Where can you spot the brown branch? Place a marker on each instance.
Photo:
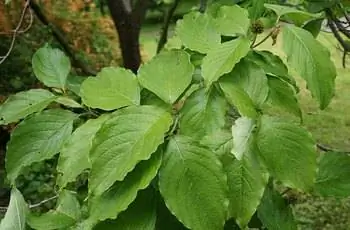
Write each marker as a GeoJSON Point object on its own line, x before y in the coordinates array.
{"type": "Point", "coordinates": [61, 39]}
{"type": "Point", "coordinates": [344, 44]}
{"type": "Point", "coordinates": [167, 19]}
{"type": "Point", "coordinates": [128, 25]}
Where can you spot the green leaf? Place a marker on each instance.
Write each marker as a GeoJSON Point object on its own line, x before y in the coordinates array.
{"type": "Point", "coordinates": [189, 177]}
{"type": "Point", "coordinates": [112, 88]}
{"type": "Point", "coordinates": [246, 180]}
{"type": "Point", "coordinates": [51, 67]}
{"type": "Point", "coordinates": [65, 215]}
{"type": "Point", "coordinates": [203, 112]}
{"type": "Point", "coordinates": [242, 131]}
{"type": "Point", "coordinates": [333, 175]}
{"type": "Point", "coordinates": [312, 61]}
{"type": "Point", "coordinates": [74, 83]}
{"type": "Point", "coordinates": [272, 65]}
{"type": "Point", "coordinates": [167, 74]}
{"type": "Point", "coordinates": [7, 1]}
{"type": "Point", "coordinates": [288, 151]}
{"type": "Point", "coordinates": [220, 142]}
{"type": "Point", "coordinates": [297, 16]}
{"type": "Point", "coordinates": [69, 204]}
{"type": "Point", "coordinates": [68, 102]}
{"type": "Point", "coordinates": [24, 103]}
{"type": "Point", "coordinates": [238, 97]}
{"type": "Point", "coordinates": [250, 77]}
{"type": "Point", "coordinates": [15, 217]}
{"type": "Point", "coordinates": [314, 26]}
{"type": "Point", "coordinates": [222, 59]}
{"type": "Point", "coordinates": [281, 94]}
{"type": "Point", "coordinates": [257, 9]}
{"type": "Point", "coordinates": [37, 138]}
{"type": "Point", "coordinates": [232, 20]}
{"type": "Point", "coordinates": [141, 215]}
{"type": "Point", "coordinates": [197, 32]}
{"type": "Point", "coordinates": [149, 98]}
{"type": "Point", "coordinates": [132, 135]}
{"type": "Point", "coordinates": [274, 212]}
{"type": "Point", "coordinates": [50, 221]}
{"type": "Point", "coordinates": [74, 156]}
{"type": "Point", "coordinates": [118, 198]}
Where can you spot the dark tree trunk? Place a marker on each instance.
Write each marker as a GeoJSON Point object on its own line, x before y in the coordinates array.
{"type": "Point", "coordinates": [128, 22]}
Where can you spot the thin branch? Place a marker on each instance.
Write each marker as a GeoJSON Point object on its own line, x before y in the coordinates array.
{"type": "Point", "coordinates": [43, 202]}
{"type": "Point", "coordinates": [265, 38]}
{"type": "Point", "coordinates": [345, 45]}
{"type": "Point", "coordinates": [337, 22]}
{"type": "Point", "coordinates": [19, 25]}
{"type": "Point", "coordinates": [328, 149]}
{"type": "Point", "coordinates": [167, 19]}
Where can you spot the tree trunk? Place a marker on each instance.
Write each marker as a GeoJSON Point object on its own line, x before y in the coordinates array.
{"type": "Point", "coordinates": [128, 24]}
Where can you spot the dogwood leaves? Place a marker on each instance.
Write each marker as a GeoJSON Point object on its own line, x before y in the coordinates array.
{"type": "Point", "coordinates": [113, 88]}
{"type": "Point", "coordinates": [38, 138]}
{"type": "Point", "coordinates": [51, 67]}
{"type": "Point", "coordinates": [130, 136]}
{"type": "Point", "coordinates": [193, 185]}
{"type": "Point", "coordinates": [197, 32]}
{"type": "Point", "coordinates": [288, 152]}
{"type": "Point", "coordinates": [24, 103]}
{"type": "Point", "coordinates": [227, 23]}
{"type": "Point", "coordinates": [222, 59]}
{"type": "Point", "coordinates": [167, 75]}
{"type": "Point", "coordinates": [312, 61]}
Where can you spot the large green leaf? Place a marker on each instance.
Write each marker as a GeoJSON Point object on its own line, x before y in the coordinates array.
{"type": "Point", "coordinates": [246, 180]}
{"type": "Point", "coordinates": [238, 97]}
{"type": "Point", "coordinates": [312, 61]}
{"type": "Point", "coordinates": [203, 112]}
{"type": "Point", "coordinates": [193, 185]}
{"type": "Point", "coordinates": [51, 67]}
{"type": "Point", "coordinates": [74, 83]}
{"type": "Point", "coordinates": [167, 75]}
{"type": "Point", "coordinates": [222, 59]}
{"type": "Point", "coordinates": [288, 151]}
{"type": "Point", "coordinates": [274, 212]}
{"type": "Point", "coordinates": [74, 156]}
{"type": "Point", "coordinates": [112, 88]}
{"type": "Point", "coordinates": [197, 32]}
{"type": "Point", "coordinates": [24, 103]}
{"type": "Point", "coordinates": [15, 217]}
{"type": "Point", "coordinates": [242, 131]}
{"type": "Point", "coordinates": [333, 175]}
{"type": "Point", "coordinates": [141, 215]}
{"type": "Point", "coordinates": [118, 198]}
{"type": "Point", "coordinates": [281, 94]}
{"type": "Point", "coordinates": [132, 135]}
{"type": "Point", "coordinates": [37, 138]}
{"type": "Point", "coordinates": [297, 16]}
{"type": "Point", "coordinates": [250, 77]}
{"type": "Point", "coordinates": [232, 20]}
{"type": "Point", "coordinates": [65, 215]}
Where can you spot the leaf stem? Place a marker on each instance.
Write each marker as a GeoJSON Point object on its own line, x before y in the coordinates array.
{"type": "Point", "coordinates": [43, 202]}
{"type": "Point", "coordinates": [265, 38]}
